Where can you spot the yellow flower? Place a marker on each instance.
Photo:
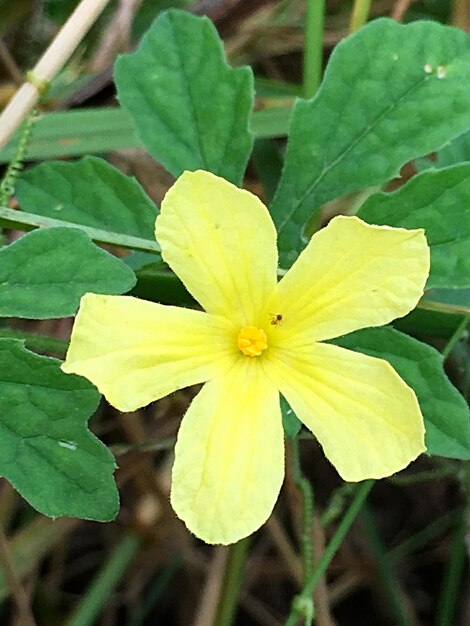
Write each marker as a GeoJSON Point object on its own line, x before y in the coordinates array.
{"type": "Point", "coordinates": [259, 338]}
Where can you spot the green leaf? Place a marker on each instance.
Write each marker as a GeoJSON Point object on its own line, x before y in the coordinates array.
{"type": "Point", "coordinates": [45, 273]}
{"type": "Point", "coordinates": [439, 202]}
{"type": "Point", "coordinates": [157, 283]}
{"type": "Point", "coordinates": [77, 132]}
{"type": "Point", "coordinates": [95, 131]}
{"type": "Point", "coordinates": [190, 108]}
{"type": "Point", "coordinates": [446, 414]}
{"type": "Point", "coordinates": [46, 450]}
{"type": "Point", "coordinates": [391, 93]}
{"type": "Point", "coordinates": [267, 162]}
{"type": "Point", "coordinates": [290, 421]}
{"type": "Point", "coordinates": [434, 319]}
{"type": "Point", "coordinates": [90, 192]}
{"type": "Point", "coordinates": [455, 152]}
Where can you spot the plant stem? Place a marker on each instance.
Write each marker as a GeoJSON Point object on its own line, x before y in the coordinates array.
{"type": "Point", "coordinates": [20, 220]}
{"type": "Point", "coordinates": [359, 15]}
{"type": "Point", "coordinates": [14, 582]}
{"type": "Point", "coordinates": [426, 475]}
{"type": "Point", "coordinates": [9, 64]}
{"type": "Point", "coordinates": [341, 532]}
{"type": "Point", "coordinates": [313, 47]}
{"type": "Point", "coordinates": [455, 337]}
{"type": "Point", "coordinates": [233, 577]}
{"type": "Point", "coordinates": [105, 582]}
{"type": "Point", "coordinates": [306, 493]}
{"type": "Point", "coordinates": [52, 61]}
{"type": "Point", "coordinates": [390, 584]}
{"type": "Point", "coordinates": [447, 603]}
{"type": "Point", "coordinates": [7, 185]}
{"type": "Point", "coordinates": [424, 536]}
{"type": "Point", "coordinates": [359, 498]}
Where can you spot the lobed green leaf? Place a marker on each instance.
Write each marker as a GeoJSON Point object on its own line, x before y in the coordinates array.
{"type": "Point", "coordinates": [446, 414]}
{"type": "Point", "coordinates": [455, 152]}
{"type": "Point", "coordinates": [439, 202]}
{"type": "Point", "coordinates": [46, 272]}
{"type": "Point", "coordinates": [190, 108]}
{"type": "Point", "coordinates": [391, 93]}
{"type": "Point", "coordinates": [89, 192]}
{"type": "Point", "coordinates": [46, 450]}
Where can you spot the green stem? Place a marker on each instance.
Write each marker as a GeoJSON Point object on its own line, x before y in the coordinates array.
{"type": "Point", "coordinates": [38, 343]}
{"type": "Point", "coordinates": [359, 15]}
{"type": "Point", "coordinates": [423, 536]}
{"type": "Point", "coordinates": [7, 185]}
{"type": "Point", "coordinates": [385, 570]}
{"type": "Point", "coordinates": [313, 47]}
{"type": "Point", "coordinates": [20, 220]}
{"type": "Point", "coordinates": [149, 445]}
{"type": "Point", "coordinates": [447, 603]}
{"type": "Point", "coordinates": [341, 532]}
{"type": "Point", "coordinates": [233, 578]}
{"type": "Point", "coordinates": [426, 475]}
{"type": "Point", "coordinates": [455, 337]}
{"type": "Point", "coordinates": [98, 592]}
{"type": "Point", "coordinates": [330, 551]}
{"type": "Point", "coordinates": [336, 504]}
{"type": "Point", "coordinates": [306, 492]}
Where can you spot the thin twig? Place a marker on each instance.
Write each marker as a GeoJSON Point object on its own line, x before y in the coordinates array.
{"type": "Point", "coordinates": [400, 8]}
{"type": "Point", "coordinates": [116, 37]}
{"type": "Point", "coordinates": [52, 61]}
{"type": "Point", "coordinates": [321, 599]}
{"type": "Point", "coordinates": [210, 597]}
{"type": "Point", "coordinates": [285, 549]}
{"type": "Point", "coordinates": [14, 583]}
{"type": "Point", "coordinates": [9, 64]}
{"type": "Point", "coordinates": [461, 14]}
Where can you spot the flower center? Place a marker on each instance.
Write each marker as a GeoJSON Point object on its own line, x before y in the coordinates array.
{"type": "Point", "coordinates": [252, 341]}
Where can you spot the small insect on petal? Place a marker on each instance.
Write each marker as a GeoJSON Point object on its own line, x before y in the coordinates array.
{"type": "Point", "coordinates": [276, 319]}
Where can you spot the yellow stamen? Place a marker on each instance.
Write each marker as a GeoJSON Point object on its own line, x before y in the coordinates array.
{"type": "Point", "coordinates": [252, 341]}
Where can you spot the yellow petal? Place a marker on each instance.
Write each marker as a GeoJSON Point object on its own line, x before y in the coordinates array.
{"type": "Point", "coordinates": [351, 276]}
{"type": "Point", "coordinates": [364, 415]}
{"type": "Point", "coordinates": [221, 242]}
{"type": "Point", "coordinates": [136, 351]}
{"type": "Point", "coordinates": [229, 461]}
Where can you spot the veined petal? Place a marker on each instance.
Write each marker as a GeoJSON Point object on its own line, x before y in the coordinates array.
{"type": "Point", "coordinates": [136, 351]}
{"type": "Point", "coordinates": [221, 242]}
{"type": "Point", "coordinates": [363, 414]}
{"type": "Point", "coordinates": [351, 276]}
{"type": "Point", "coordinates": [229, 463]}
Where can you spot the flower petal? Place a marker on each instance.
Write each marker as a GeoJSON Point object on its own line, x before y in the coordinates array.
{"type": "Point", "coordinates": [229, 463]}
{"type": "Point", "coordinates": [351, 276]}
{"type": "Point", "coordinates": [364, 415]}
{"type": "Point", "coordinates": [221, 242]}
{"type": "Point", "coordinates": [136, 351]}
